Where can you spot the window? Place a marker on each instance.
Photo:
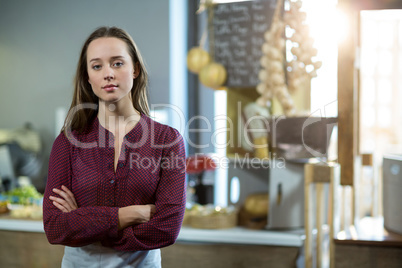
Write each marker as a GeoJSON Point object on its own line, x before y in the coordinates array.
{"type": "Point", "coordinates": [380, 94]}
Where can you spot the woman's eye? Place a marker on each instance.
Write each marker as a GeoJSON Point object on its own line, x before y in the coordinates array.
{"type": "Point", "coordinates": [118, 64]}
{"type": "Point", "coordinates": [96, 67]}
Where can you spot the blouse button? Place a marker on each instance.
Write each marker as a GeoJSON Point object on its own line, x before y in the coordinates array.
{"type": "Point", "coordinates": [121, 165]}
{"type": "Point", "coordinates": [112, 181]}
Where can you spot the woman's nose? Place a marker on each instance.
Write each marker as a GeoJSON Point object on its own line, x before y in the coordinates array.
{"type": "Point", "coordinates": [108, 73]}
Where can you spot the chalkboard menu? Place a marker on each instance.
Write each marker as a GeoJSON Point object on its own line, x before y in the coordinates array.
{"type": "Point", "coordinates": [238, 35]}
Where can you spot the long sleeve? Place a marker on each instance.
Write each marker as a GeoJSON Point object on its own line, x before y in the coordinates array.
{"type": "Point", "coordinates": [82, 226]}
{"type": "Point", "coordinates": [170, 197]}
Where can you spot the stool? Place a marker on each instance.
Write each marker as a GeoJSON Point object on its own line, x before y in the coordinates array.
{"type": "Point", "coordinates": [318, 174]}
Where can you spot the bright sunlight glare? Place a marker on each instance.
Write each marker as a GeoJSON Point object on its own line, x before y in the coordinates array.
{"type": "Point", "coordinates": [326, 25]}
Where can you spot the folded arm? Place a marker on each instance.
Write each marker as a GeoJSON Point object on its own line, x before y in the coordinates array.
{"type": "Point", "coordinates": [128, 215]}
{"type": "Point", "coordinates": [170, 198]}
{"type": "Point", "coordinates": [83, 225]}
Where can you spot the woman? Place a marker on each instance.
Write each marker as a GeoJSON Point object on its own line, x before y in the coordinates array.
{"type": "Point", "coordinates": [116, 184]}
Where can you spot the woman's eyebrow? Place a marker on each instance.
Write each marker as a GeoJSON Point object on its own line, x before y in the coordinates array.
{"type": "Point", "coordinates": [113, 58]}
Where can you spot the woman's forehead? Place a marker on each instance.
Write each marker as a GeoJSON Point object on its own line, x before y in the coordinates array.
{"type": "Point", "coordinates": [107, 47]}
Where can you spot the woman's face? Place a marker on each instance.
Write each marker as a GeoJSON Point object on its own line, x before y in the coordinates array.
{"type": "Point", "coordinates": [110, 69]}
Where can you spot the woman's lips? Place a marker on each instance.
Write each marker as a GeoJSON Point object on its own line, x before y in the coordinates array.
{"type": "Point", "coordinates": [110, 87]}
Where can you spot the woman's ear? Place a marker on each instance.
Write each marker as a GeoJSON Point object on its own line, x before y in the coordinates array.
{"type": "Point", "coordinates": [136, 69]}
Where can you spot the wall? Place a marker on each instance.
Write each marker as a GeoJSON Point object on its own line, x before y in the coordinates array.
{"type": "Point", "coordinates": [40, 42]}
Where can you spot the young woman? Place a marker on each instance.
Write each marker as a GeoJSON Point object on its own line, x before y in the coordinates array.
{"type": "Point", "coordinates": [116, 183]}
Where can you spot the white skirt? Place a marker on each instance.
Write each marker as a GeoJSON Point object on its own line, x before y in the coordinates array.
{"type": "Point", "coordinates": [97, 256]}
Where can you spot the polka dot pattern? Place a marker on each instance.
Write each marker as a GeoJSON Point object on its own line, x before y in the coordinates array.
{"type": "Point", "coordinates": [150, 170]}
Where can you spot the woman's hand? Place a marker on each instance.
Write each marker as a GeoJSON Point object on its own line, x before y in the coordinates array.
{"type": "Point", "coordinates": [67, 203]}
{"type": "Point", "coordinates": [135, 214]}
{"type": "Point", "coordinates": [129, 215]}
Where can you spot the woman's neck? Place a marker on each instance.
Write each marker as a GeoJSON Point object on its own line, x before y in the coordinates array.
{"type": "Point", "coordinates": [118, 117]}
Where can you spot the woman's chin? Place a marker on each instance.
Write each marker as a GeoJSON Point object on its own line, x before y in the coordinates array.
{"type": "Point", "coordinates": [109, 99]}
{"type": "Point", "coordinates": [114, 98]}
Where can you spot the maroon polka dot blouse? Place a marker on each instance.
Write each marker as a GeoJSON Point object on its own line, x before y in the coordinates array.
{"type": "Point", "coordinates": [150, 170]}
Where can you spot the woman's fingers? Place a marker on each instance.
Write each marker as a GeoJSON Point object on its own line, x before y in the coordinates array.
{"type": "Point", "coordinates": [70, 194]}
{"type": "Point", "coordinates": [67, 201]}
{"type": "Point", "coordinates": [61, 193]}
{"type": "Point", "coordinates": [61, 204]}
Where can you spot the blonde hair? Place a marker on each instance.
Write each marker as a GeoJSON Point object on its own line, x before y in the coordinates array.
{"type": "Point", "coordinates": [77, 118]}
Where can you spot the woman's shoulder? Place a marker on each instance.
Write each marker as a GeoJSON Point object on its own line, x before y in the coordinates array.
{"type": "Point", "coordinates": [75, 138]}
{"type": "Point", "coordinates": [61, 138]}
{"type": "Point", "coordinates": [61, 142]}
{"type": "Point", "coordinates": [162, 132]}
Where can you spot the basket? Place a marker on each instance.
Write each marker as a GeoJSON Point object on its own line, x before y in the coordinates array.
{"type": "Point", "coordinates": [214, 221]}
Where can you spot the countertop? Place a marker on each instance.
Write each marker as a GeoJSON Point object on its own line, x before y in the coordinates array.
{"type": "Point", "coordinates": [369, 231]}
{"type": "Point", "coordinates": [237, 235]}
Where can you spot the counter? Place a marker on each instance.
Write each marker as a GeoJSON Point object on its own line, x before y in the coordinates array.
{"type": "Point", "coordinates": [368, 244]}
{"type": "Point", "coordinates": [21, 225]}
{"type": "Point", "coordinates": [232, 236]}
{"type": "Point", "coordinates": [195, 247]}
{"type": "Point", "coordinates": [243, 236]}
{"type": "Point", "coordinates": [24, 244]}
